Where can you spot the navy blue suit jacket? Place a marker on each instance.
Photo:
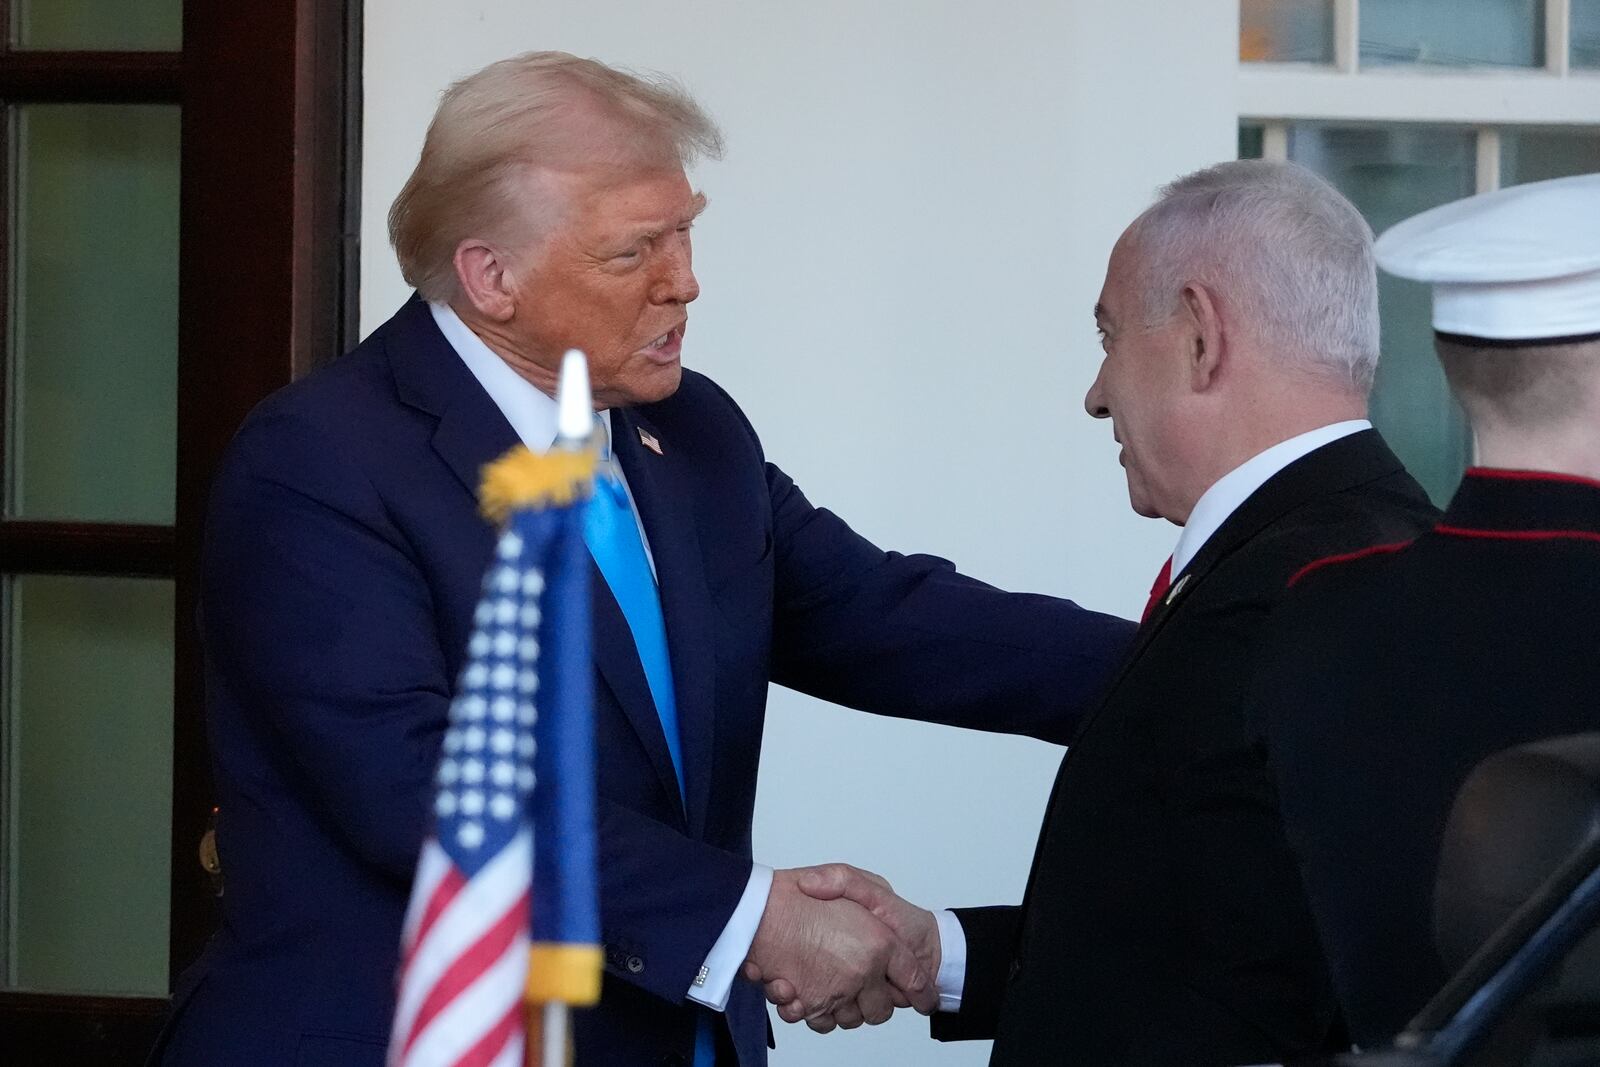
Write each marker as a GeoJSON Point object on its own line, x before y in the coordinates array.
{"type": "Point", "coordinates": [343, 557]}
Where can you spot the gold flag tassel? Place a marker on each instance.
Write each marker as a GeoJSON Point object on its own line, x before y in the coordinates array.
{"type": "Point", "coordinates": [521, 479]}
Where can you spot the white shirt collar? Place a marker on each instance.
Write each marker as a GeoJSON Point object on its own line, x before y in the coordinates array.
{"type": "Point", "coordinates": [531, 413]}
{"type": "Point", "coordinates": [1239, 484]}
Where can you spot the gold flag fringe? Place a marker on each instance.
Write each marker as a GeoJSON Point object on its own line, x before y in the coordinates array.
{"type": "Point", "coordinates": [520, 479]}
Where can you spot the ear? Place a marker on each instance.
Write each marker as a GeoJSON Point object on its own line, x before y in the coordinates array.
{"type": "Point", "coordinates": [485, 280]}
{"type": "Point", "coordinates": [1207, 339]}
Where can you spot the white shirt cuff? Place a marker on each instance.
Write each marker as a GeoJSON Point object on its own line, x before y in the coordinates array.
{"type": "Point", "coordinates": [952, 976]}
{"type": "Point", "coordinates": [715, 980]}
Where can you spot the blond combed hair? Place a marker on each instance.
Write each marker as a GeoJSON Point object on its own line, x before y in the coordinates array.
{"type": "Point", "coordinates": [538, 109]}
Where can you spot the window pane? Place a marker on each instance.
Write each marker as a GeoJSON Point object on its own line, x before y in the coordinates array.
{"type": "Point", "coordinates": [88, 743]}
{"type": "Point", "coordinates": [100, 25]}
{"type": "Point", "coordinates": [1286, 30]}
{"type": "Point", "coordinates": [1586, 33]}
{"type": "Point", "coordinates": [1534, 155]}
{"type": "Point", "coordinates": [1250, 141]}
{"type": "Point", "coordinates": [92, 382]}
{"type": "Point", "coordinates": [1453, 33]}
{"type": "Point", "coordinates": [1391, 174]}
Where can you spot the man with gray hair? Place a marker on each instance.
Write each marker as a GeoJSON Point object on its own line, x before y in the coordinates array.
{"type": "Point", "coordinates": [1164, 921]}
{"type": "Point", "coordinates": [550, 210]}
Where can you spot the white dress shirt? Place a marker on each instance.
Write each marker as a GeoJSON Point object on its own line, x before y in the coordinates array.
{"type": "Point", "coordinates": [532, 415]}
{"type": "Point", "coordinates": [1210, 512]}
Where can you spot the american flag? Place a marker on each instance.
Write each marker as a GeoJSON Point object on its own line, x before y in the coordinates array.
{"type": "Point", "coordinates": [465, 946]}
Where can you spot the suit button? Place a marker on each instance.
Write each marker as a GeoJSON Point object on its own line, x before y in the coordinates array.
{"type": "Point", "coordinates": [635, 965]}
{"type": "Point", "coordinates": [1014, 970]}
{"type": "Point", "coordinates": [672, 1059]}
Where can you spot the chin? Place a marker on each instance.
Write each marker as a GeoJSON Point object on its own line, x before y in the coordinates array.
{"type": "Point", "coordinates": [657, 386]}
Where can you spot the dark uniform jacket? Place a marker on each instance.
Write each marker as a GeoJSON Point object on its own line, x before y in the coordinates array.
{"type": "Point", "coordinates": [1163, 921]}
{"type": "Point", "coordinates": [1392, 674]}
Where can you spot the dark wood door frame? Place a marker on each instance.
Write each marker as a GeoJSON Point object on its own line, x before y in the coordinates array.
{"type": "Point", "coordinates": [268, 272]}
{"type": "Point", "coordinates": [268, 256]}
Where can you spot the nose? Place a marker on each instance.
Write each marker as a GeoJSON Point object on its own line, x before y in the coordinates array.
{"type": "Point", "coordinates": [676, 284]}
{"type": "Point", "coordinates": [1094, 401]}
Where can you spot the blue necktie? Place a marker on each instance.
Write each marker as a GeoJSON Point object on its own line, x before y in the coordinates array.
{"type": "Point", "coordinates": [612, 534]}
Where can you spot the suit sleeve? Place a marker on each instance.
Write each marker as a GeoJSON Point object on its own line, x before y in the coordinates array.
{"type": "Point", "coordinates": [908, 636]}
{"type": "Point", "coordinates": [315, 607]}
{"type": "Point", "coordinates": [991, 935]}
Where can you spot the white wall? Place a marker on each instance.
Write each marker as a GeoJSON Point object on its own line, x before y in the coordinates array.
{"type": "Point", "coordinates": [904, 247]}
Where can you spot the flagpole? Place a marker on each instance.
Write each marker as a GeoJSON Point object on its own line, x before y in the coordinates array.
{"type": "Point", "coordinates": [555, 1035]}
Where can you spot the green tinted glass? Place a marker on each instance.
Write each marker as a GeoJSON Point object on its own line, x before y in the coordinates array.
{"type": "Point", "coordinates": [1534, 155]}
{"type": "Point", "coordinates": [88, 759]}
{"type": "Point", "coordinates": [1452, 33]}
{"type": "Point", "coordinates": [92, 375]}
{"type": "Point", "coordinates": [1586, 33]}
{"type": "Point", "coordinates": [1392, 174]}
{"type": "Point", "coordinates": [1297, 31]}
{"type": "Point", "coordinates": [1250, 141]}
{"type": "Point", "coordinates": [99, 25]}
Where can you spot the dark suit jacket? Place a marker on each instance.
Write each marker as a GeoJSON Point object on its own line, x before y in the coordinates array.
{"type": "Point", "coordinates": [1391, 677]}
{"type": "Point", "coordinates": [343, 558]}
{"type": "Point", "coordinates": [1163, 921]}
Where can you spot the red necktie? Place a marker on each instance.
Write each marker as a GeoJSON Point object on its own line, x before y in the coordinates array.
{"type": "Point", "coordinates": [1163, 582]}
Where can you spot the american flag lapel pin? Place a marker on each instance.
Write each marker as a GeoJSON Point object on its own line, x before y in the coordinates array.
{"type": "Point", "coordinates": [649, 441]}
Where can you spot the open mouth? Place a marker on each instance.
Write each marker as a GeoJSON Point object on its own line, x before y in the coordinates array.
{"type": "Point", "coordinates": [666, 347]}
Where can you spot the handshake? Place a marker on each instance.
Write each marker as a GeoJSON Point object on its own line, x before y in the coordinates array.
{"type": "Point", "coordinates": [837, 947]}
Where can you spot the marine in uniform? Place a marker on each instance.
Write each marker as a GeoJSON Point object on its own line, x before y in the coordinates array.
{"type": "Point", "coordinates": [1393, 671]}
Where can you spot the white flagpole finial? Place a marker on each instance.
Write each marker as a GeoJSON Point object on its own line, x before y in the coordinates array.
{"type": "Point", "coordinates": [574, 403]}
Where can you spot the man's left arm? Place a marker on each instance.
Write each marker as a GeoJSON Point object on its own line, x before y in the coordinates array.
{"type": "Point", "coordinates": [910, 637]}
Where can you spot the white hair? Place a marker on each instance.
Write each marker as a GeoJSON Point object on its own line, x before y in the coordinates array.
{"type": "Point", "coordinates": [1281, 248]}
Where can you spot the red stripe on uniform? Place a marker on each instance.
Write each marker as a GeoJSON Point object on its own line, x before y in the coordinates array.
{"type": "Point", "coordinates": [1505, 474]}
{"type": "Point", "coordinates": [1520, 535]}
{"type": "Point", "coordinates": [468, 967]}
{"type": "Point", "coordinates": [1346, 557]}
{"type": "Point", "coordinates": [493, 1043]}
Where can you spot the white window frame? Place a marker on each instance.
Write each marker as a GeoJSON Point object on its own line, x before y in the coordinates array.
{"type": "Point", "coordinates": [1276, 95]}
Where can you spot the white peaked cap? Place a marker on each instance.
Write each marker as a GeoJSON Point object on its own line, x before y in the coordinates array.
{"type": "Point", "coordinates": [1518, 265]}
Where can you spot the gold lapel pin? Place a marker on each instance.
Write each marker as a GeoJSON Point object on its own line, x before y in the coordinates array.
{"type": "Point", "coordinates": [1178, 588]}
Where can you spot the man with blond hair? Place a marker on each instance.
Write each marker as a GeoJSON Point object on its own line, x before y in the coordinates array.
{"type": "Point", "coordinates": [550, 210]}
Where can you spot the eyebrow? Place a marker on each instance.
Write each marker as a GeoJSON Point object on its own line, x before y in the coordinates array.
{"type": "Point", "coordinates": [697, 207]}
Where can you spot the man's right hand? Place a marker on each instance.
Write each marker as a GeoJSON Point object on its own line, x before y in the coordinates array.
{"type": "Point", "coordinates": [837, 964]}
{"type": "Point", "coordinates": [915, 927]}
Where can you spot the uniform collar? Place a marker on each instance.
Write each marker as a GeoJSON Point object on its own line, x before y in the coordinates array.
{"type": "Point", "coordinates": [1494, 499]}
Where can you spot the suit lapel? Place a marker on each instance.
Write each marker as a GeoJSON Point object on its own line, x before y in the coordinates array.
{"type": "Point", "coordinates": [1350, 461]}
{"type": "Point", "coordinates": [429, 376]}
{"type": "Point", "coordinates": [659, 484]}
{"type": "Point", "coordinates": [617, 657]}
{"type": "Point", "coordinates": [472, 432]}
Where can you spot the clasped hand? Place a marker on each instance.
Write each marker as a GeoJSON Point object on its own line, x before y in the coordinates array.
{"type": "Point", "coordinates": [838, 947]}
